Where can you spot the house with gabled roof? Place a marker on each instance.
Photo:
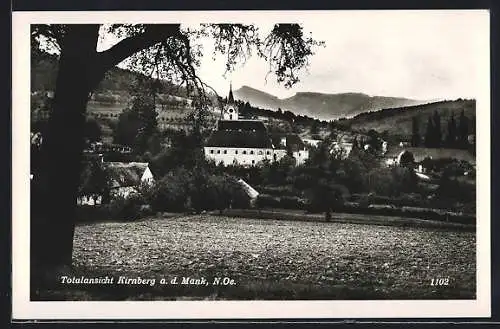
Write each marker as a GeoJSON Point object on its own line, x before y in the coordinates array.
{"type": "Point", "coordinates": [126, 177]}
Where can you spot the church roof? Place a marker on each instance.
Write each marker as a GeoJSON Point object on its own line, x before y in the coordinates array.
{"type": "Point", "coordinates": [239, 138]}
{"type": "Point", "coordinates": [244, 125]}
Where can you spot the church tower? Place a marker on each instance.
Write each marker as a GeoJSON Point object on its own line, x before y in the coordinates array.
{"type": "Point", "coordinates": [230, 109]}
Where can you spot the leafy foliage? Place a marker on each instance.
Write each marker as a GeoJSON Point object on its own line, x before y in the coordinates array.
{"type": "Point", "coordinates": [138, 123]}
{"type": "Point", "coordinates": [94, 180]}
{"type": "Point", "coordinates": [391, 181]}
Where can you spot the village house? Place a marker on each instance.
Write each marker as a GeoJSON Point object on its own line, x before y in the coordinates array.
{"type": "Point", "coordinates": [127, 177]}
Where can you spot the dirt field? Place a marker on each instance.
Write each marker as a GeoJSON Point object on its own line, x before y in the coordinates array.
{"type": "Point", "coordinates": [269, 259]}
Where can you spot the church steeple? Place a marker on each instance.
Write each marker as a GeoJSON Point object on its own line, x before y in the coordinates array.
{"type": "Point", "coordinates": [230, 98]}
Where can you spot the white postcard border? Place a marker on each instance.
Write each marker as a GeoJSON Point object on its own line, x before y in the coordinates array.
{"type": "Point", "coordinates": [23, 308]}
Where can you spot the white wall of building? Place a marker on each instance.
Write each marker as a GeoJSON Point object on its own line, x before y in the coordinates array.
{"type": "Point", "coordinates": [230, 112]}
{"type": "Point", "coordinates": [147, 176]}
{"type": "Point", "coordinates": [242, 156]}
{"type": "Point", "coordinates": [250, 156]}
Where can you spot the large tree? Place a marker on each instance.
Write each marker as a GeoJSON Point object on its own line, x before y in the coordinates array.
{"type": "Point", "coordinates": [429, 133]}
{"type": "Point", "coordinates": [463, 131]}
{"type": "Point", "coordinates": [451, 137]}
{"type": "Point", "coordinates": [437, 140]}
{"type": "Point", "coordinates": [170, 52]}
{"type": "Point", "coordinates": [415, 133]}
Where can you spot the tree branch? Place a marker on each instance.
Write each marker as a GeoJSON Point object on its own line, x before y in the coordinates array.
{"type": "Point", "coordinates": [131, 45]}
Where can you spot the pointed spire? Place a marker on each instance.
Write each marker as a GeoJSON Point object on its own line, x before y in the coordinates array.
{"type": "Point", "coordinates": [230, 98]}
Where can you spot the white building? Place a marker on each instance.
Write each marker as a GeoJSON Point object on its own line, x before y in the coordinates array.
{"type": "Point", "coordinates": [247, 142]}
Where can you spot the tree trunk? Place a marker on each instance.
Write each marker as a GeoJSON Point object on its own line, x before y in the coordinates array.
{"type": "Point", "coordinates": [52, 226]}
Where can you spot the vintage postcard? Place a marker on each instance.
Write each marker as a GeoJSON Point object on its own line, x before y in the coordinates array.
{"type": "Point", "coordinates": [251, 164]}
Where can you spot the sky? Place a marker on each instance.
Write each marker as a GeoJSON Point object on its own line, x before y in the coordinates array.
{"type": "Point", "coordinates": [415, 54]}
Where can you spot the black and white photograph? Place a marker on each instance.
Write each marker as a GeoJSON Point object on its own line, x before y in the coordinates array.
{"type": "Point", "coordinates": [255, 164]}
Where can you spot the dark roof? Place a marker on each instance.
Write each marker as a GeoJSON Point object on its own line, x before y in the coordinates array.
{"type": "Point", "coordinates": [124, 174]}
{"type": "Point", "coordinates": [244, 125]}
{"type": "Point", "coordinates": [293, 140]}
{"type": "Point", "coordinates": [236, 138]}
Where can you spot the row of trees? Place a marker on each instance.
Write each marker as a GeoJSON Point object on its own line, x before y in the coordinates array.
{"type": "Point", "coordinates": [456, 135]}
{"type": "Point", "coordinates": [185, 180]}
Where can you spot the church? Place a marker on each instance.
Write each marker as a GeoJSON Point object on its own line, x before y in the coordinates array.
{"type": "Point", "coordinates": [238, 141]}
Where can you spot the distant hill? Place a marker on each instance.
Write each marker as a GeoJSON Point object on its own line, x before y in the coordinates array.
{"type": "Point", "coordinates": [322, 106]}
{"type": "Point", "coordinates": [398, 121]}
{"type": "Point", "coordinates": [117, 81]}
{"type": "Point", "coordinates": [257, 98]}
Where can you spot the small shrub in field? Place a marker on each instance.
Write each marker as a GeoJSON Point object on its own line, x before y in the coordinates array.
{"type": "Point", "coordinates": [325, 197]}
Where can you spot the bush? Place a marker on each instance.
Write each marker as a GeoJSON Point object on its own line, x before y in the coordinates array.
{"type": "Point", "coordinates": [267, 201]}
{"type": "Point", "coordinates": [240, 199]}
{"type": "Point", "coordinates": [392, 181]}
{"type": "Point", "coordinates": [454, 190]}
{"type": "Point", "coordinates": [406, 199]}
{"type": "Point", "coordinates": [103, 98]}
{"type": "Point", "coordinates": [169, 193]}
{"type": "Point", "coordinates": [325, 197]}
{"type": "Point", "coordinates": [283, 190]}
{"type": "Point", "coordinates": [292, 202]}
{"type": "Point", "coordinates": [128, 209]}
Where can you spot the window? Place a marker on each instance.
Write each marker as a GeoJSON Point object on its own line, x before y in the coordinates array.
{"type": "Point", "coordinates": [251, 152]}
{"type": "Point", "coordinates": [253, 162]}
{"type": "Point", "coordinates": [235, 151]}
{"type": "Point", "coordinates": [244, 152]}
{"type": "Point", "coordinates": [218, 151]}
{"type": "Point", "coordinates": [268, 152]}
{"type": "Point", "coordinates": [225, 151]}
{"type": "Point", "coordinates": [211, 151]}
{"type": "Point", "coordinates": [260, 152]}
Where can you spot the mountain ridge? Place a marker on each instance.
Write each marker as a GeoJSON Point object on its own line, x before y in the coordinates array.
{"type": "Point", "coordinates": [324, 106]}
